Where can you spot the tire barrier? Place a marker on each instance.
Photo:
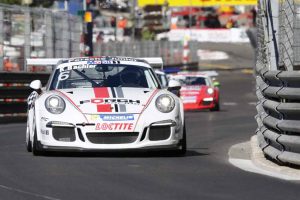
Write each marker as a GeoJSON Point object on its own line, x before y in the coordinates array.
{"type": "Point", "coordinates": [278, 116]}
{"type": "Point", "coordinates": [14, 90]}
{"type": "Point", "coordinates": [278, 81]}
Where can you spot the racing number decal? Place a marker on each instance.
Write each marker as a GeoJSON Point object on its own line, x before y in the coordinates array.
{"type": "Point", "coordinates": [64, 75]}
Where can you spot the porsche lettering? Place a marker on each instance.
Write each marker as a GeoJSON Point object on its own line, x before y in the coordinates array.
{"type": "Point", "coordinates": [115, 101]}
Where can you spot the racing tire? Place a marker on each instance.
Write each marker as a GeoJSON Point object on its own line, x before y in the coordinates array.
{"type": "Point", "coordinates": [28, 141]}
{"type": "Point", "coordinates": [36, 150]}
{"type": "Point", "coordinates": [216, 108]}
{"type": "Point", "coordinates": [181, 151]}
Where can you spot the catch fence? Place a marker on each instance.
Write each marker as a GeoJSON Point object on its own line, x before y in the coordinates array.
{"type": "Point", "coordinates": [37, 33]}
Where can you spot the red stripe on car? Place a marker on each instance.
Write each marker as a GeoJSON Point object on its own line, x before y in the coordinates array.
{"type": "Point", "coordinates": [102, 92]}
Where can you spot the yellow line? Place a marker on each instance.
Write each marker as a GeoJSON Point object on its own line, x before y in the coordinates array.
{"type": "Point", "coordinates": [247, 71]}
{"type": "Point", "coordinates": [218, 66]}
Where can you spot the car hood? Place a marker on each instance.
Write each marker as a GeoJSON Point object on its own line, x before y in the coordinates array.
{"type": "Point", "coordinates": [108, 100]}
{"type": "Point", "coordinates": [192, 89]}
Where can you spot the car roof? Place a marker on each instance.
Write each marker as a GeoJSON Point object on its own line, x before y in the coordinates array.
{"type": "Point", "coordinates": [102, 60]}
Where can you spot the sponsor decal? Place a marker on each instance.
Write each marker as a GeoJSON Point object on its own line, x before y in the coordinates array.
{"type": "Point", "coordinates": [122, 58]}
{"type": "Point", "coordinates": [94, 117]}
{"type": "Point", "coordinates": [80, 66]}
{"type": "Point", "coordinates": [189, 99]}
{"type": "Point", "coordinates": [111, 101]}
{"type": "Point", "coordinates": [103, 62]}
{"type": "Point", "coordinates": [85, 59]}
{"type": "Point", "coordinates": [45, 132]}
{"type": "Point", "coordinates": [115, 101]}
{"type": "Point", "coordinates": [114, 126]}
{"type": "Point", "coordinates": [106, 58]}
{"type": "Point", "coordinates": [117, 117]}
{"type": "Point", "coordinates": [31, 99]}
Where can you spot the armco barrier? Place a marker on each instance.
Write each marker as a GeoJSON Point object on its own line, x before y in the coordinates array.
{"type": "Point", "coordinates": [14, 90]}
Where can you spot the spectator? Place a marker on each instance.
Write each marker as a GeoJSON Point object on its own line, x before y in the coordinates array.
{"type": "Point", "coordinates": [212, 21]}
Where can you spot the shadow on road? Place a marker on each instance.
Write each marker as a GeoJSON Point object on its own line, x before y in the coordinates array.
{"type": "Point", "coordinates": [146, 154]}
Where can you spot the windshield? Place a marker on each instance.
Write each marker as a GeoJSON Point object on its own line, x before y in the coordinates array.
{"type": "Point", "coordinates": [103, 75]}
{"type": "Point", "coordinates": [189, 80]}
{"type": "Point", "coordinates": [192, 80]}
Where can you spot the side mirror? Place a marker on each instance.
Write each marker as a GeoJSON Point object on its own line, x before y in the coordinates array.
{"type": "Point", "coordinates": [36, 85]}
{"type": "Point", "coordinates": [216, 84]}
{"type": "Point", "coordinates": [174, 87]}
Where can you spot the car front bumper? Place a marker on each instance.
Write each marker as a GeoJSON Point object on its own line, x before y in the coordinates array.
{"type": "Point", "coordinates": [84, 137]}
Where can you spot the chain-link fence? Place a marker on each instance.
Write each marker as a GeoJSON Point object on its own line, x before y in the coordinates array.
{"type": "Point", "coordinates": [278, 80]}
{"type": "Point", "coordinates": [171, 52]}
{"type": "Point", "coordinates": [36, 32]}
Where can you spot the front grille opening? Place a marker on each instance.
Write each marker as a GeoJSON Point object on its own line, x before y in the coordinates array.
{"type": "Point", "coordinates": [144, 134]}
{"type": "Point", "coordinates": [64, 134]}
{"type": "Point", "coordinates": [206, 103]}
{"type": "Point", "coordinates": [112, 137]}
{"type": "Point", "coordinates": [159, 133]}
{"type": "Point", "coordinates": [80, 135]}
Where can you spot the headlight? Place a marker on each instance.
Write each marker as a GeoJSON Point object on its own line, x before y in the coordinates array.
{"type": "Point", "coordinates": [55, 104]}
{"type": "Point", "coordinates": [210, 91]}
{"type": "Point", "coordinates": [165, 103]}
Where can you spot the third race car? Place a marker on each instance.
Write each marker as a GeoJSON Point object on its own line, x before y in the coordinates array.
{"type": "Point", "coordinates": [198, 91]}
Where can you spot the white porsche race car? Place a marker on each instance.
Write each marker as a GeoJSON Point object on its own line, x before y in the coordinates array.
{"type": "Point", "coordinates": [103, 103]}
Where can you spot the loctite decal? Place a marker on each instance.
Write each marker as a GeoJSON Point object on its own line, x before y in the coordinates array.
{"type": "Point", "coordinates": [114, 126]}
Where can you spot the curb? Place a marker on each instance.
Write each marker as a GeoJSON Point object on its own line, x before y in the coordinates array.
{"type": "Point", "coordinates": [259, 160]}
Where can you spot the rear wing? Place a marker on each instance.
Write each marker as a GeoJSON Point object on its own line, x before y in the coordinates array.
{"type": "Point", "coordinates": [155, 62]}
{"type": "Point", "coordinates": [42, 61]}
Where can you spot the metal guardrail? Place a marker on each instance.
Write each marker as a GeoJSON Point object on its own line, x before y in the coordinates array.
{"type": "Point", "coordinates": [278, 82]}
{"type": "Point", "coordinates": [14, 90]}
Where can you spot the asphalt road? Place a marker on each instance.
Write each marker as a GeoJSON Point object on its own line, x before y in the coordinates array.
{"type": "Point", "coordinates": [204, 173]}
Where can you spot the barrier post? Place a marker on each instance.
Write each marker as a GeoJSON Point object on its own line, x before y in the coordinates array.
{"type": "Point", "coordinates": [27, 39]}
{"type": "Point", "coordinates": [1, 39]}
{"type": "Point", "coordinates": [185, 52]}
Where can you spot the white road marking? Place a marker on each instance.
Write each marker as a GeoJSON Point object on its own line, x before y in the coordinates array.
{"type": "Point", "coordinates": [247, 165]}
{"type": "Point", "coordinates": [28, 193]}
{"type": "Point", "coordinates": [229, 103]}
{"type": "Point", "coordinates": [252, 103]}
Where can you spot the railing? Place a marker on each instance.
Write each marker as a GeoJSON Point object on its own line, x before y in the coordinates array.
{"type": "Point", "coordinates": [14, 90]}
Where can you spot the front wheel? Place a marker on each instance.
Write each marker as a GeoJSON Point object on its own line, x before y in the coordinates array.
{"type": "Point", "coordinates": [28, 141]}
{"type": "Point", "coordinates": [36, 150]}
{"type": "Point", "coordinates": [216, 108]}
{"type": "Point", "coordinates": [181, 151]}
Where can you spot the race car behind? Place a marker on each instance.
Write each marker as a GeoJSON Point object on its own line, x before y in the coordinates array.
{"type": "Point", "coordinates": [198, 91]}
